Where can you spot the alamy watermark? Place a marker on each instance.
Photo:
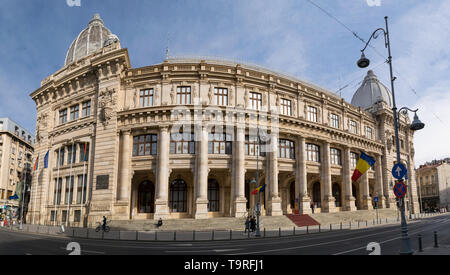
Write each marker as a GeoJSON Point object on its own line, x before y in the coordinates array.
{"type": "Point", "coordinates": [73, 3]}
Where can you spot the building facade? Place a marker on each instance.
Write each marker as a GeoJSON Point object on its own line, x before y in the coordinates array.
{"type": "Point", "coordinates": [433, 185]}
{"type": "Point", "coordinates": [184, 138]}
{"type": "Point", "coordinates": [16, 152]}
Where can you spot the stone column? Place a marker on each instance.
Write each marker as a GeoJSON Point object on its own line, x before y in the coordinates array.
{"type": "Point", "coordinates": [239, 156]}
{"type": "Point", "coordinates": [201, 209]}
{"type": "Point", "coordinates": [162, 184]}
{"type": "Point", "coordinates": [124, 176]}
{"type": "Point", "coordinates": [275, 200]}
{"type": "Point", "coordinates": [301, 182]}
{"type": "Point", "coordinates": [366, 202]}
{"type": "Point", "coordinates": [349, 200]}
{"type": "Point", "coordinates": [379, 182]}
{"type": "Point", "coordinates": [328, 203]}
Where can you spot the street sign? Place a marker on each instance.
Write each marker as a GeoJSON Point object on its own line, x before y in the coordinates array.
{"type": "Point", "coordinates": [399, 171]}
{"type": "Point", "coordinates": [400, 189]}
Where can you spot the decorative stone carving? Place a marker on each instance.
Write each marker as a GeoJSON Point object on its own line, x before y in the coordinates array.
{"type": "Point", "coordinates": [172, 95]}
{"type": "Point", "coordinates": [210, 95]}
{"type": "Point", "coordinates": [107, 103]}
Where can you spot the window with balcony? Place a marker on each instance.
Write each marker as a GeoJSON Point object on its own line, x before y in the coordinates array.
{"type": "Point", "coordinates": [145, 145]}
{"type": "Point", "coordinates": [335, 155]}
{"type": "Point", "coordinates": [146, 98]}
{"type": "Point", "coordinates": [286, 149]}
{"type": "Point", "coordinates": [219, 144]}
{"type": "Point", "coordinates": [312, 114]}
{"type": "Point", "coordinates": [184, 95]}
{"type": "Point", "coordinates": [286, 107]}
{"type": "Point", "coordinates": [312, 152]}
{"type": "Point", "coordinates": [221, 96]}
{"type": "Point", "coordinates": [182, 143]}
{"type": "Point", "coordinates": [255, 101]}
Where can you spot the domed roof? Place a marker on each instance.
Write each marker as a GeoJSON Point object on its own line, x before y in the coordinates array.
{"type": "Point", "coordinates": [89, 40]}
{"type": "Point", "coordinates": [371, 91]}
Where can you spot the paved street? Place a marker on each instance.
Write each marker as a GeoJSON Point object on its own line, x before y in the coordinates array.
{"type": "Point", "coordinates": [346, 242]}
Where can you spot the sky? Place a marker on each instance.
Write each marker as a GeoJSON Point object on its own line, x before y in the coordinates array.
{"type": "Point", "coordinates": [290, 36]}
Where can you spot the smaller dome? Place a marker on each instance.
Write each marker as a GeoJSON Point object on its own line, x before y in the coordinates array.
{"type": "Point", "coordinates": [372, 91]}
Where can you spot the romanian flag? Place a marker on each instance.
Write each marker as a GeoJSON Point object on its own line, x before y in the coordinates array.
{"type": "Point", "coordinates": [364, 164]}
{"type": "Point", "coordinates": [85, 149]}
{"type": "Point", "coordinates": [36, 165]}
{"type": "Point", "coordinates": [259, 189]}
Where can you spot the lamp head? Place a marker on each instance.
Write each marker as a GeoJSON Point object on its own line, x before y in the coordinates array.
{"type": "Point", "coordinates": [363, 62]}
{"type": "Point", "coordinates": [416, 124]}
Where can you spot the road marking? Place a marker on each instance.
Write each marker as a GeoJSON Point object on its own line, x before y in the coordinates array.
{"type": "Point", "coordinates": [203, 251]}
{"type": "Point", "coordinates": [182, 244]}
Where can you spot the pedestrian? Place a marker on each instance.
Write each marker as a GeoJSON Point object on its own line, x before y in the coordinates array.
{"type": "Point", "coordinates": [253, 224]}
{"type": "Point", "coordinates": [160, 223]}
{"type": "Point", "coordinates": [312, 207]}
{"type": "Point", "coordinates": [247, 224]}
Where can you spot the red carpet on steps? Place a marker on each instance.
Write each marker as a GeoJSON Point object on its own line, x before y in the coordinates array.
{"type": "Point", "coordinates": [302, 220]}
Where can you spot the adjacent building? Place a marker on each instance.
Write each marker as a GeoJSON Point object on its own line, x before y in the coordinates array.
{"type": "Point", "coordinates": [434, 185]}
{"type": "Point", "coordinates": [16, 152]}
{"type": "Point", "coordinates": [185, 138]}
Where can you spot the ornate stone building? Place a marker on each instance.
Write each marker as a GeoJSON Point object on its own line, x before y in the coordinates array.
{"type": "Point", "coordinates": [179, 139]}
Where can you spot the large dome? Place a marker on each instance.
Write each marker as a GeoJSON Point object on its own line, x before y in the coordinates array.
{"type": "Point", "coordinates": [371, 91]}
{"type": "Point", "coordinates": [89, 40]}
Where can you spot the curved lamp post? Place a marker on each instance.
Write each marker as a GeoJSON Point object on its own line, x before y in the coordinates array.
{"type": "Point", "coordinates": [363, 62]}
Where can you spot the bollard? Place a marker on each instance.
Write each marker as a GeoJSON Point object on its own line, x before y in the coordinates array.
{"type": "Point", "coordinates": [350, 224]}
{"type": "Point", "coordinates": [231, 234]}
{"type": "Point", "coordinates": [213, 235]}
{"type": "Point", "coordinates": [279, 232]}
{"type": "Point", "coordinates": [435, 240]}
{"type": "Point", "coordinates": [307, 229]}
{"type": "Point", "coordinates": [358, 224]}
{"type": "Point", "coordinates": [420, 243]}
{"type": "Point", "coordinates": [156, 235]}
{"type": "Point", "coordinates": [319, 228]}
{"type": "Point", "coordinates": [174, 235]}
{"type": "Point", "coordinates": [331, 227]}
{"type": "Point", "coordinates": [264, 232]}
{"type": "Point", "coordinates": [341, 225]}
{"type": "Point", "coordinates": [294, 230]}
{"type": "Point", "coordinates": [248, 234]}
{"type": "Point", "coordinates": [193, 235]}
{"type": "Point", "coordinates": [137, 236]}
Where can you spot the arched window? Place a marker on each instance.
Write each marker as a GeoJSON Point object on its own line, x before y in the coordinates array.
{"type": "Point", "coordinates": [146, 197]}
{"type": "Point", "coordinates": [213, 195]}
{"type": "Point", "coordinates": [316, 195]}
{"type": "Point", "coordinates": [178, 196]}
{"type": "Point", "coordinates": [337, 194]}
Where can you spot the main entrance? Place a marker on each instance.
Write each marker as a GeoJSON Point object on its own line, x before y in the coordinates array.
{"type": "Point", "coordinates": [146, 197]}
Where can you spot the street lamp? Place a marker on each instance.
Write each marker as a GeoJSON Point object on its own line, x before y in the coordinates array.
{"type": "Point", "coordinates": [363, 62]}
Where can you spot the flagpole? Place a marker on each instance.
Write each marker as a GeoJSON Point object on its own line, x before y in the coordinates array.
{"type": "Point", "coordinates": [23, 202]}
{"type": "Point", "coordinates": [84, 182]}
{"type": "Point", "coordinates": [47, 156]}
{"type": "Point", "coordinates": [70, 186]}
{"type": "Point", "coordinates": [34, 204]}
{"type": "Point", "coordinates": [57, 185]}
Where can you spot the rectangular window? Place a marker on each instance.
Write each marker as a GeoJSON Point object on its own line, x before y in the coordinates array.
{"type": "Point", "coordinates": [71, 154]}
{"type": "Point", "coordinates": [84, 156]}
{"type": "Point", "coordinates": [61, 154]}
{"type": "Point", "coordinates": [286, 107]}
{"type": "Point", "coordinates": [354, 157]}
{"type": "Point", "coordinates": [74, 112]}
{"type": "Point", "coordinates": [58, 190]}
{"type": "Point", "coordinates": [63, 116]}
{"type": "Point", "coordinates": [312, 114]}
{"type": "Point", "coordinates": [221, 96]}
{"type": "Point", "coordinates": [255, 101]}
{"type": "Point", "coordinates": [335, 156]}
{"type": "Point", "coordinates": [312, 152]}
{"type": "Point", "coordinates": [64, 216]}
{"type": "Point", "coordinates": [53, 214]}
{"type": "Point", "coordinates": [69, 190]}
{"type": "Point", "coordinates": [86, 108]}
{"type": "Point", "coordinates": [369, 133]}
{"type": "Point", "coordinates": [146, 98]}
{"type": "Point", "coordinates": [182, 143]}
{"type": "Point", "coordinates": [145, 145]}
{"type": "Point", "coordinates": [81, 189]}
{"type": "Point", "coordinates": [286, 149]}
{"type": "Point", "coordinates": [184, 95]}
{"type": "Point", "coordinates": [353, 127]}
{"type": "Point", "coordinates": [254, 146]}
{"type": "Point", "coordinates": [219, 144]}
{"type": "Point", "coordinates": [77, 216]}
{"type": "Point", "coordinates": [334, 121]}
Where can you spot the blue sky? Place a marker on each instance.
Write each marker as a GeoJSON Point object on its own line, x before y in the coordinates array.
{"type": "Point", "coordinates": [293, 37]}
